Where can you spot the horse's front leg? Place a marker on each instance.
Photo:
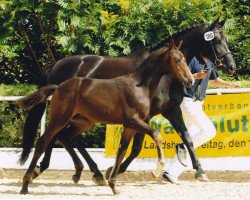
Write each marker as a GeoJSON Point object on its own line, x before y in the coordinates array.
{"type": "Point", "coordinates": [136, 149]}
{"type": "Point", "coordinates": [142, 127]}
{"type": "Point", "coordinates": [41, 145]}
{"type": "Point", "coordinates": [156, 136]}
{"type": "Point", "coordinates": [175, 117]}
{"type": "Point", "coordinates": [125, 140]}
{"type": "Point", "coordinates": [44, 164]}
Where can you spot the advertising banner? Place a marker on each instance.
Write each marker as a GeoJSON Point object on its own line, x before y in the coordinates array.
{"type": "Point", "coordinates": [230, 114]}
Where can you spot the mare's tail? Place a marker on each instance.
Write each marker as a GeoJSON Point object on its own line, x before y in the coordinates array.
{"type": "Point", "coordinates": [35, 103]}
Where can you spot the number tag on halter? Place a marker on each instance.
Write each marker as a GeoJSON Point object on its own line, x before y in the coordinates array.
{"type": "Point", "coordinates": [209, 35]}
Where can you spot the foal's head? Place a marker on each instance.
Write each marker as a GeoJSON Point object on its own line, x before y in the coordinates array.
{"type": "Point", "coordinates": [177, 66]}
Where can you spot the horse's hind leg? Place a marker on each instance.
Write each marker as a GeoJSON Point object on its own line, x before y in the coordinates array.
{"type": "Point", "coordinates": [78, 125]}
{"type": "Point", "coordinates": [97, 177]}
{"type": "Point", "coordinates": [44, 164]}
{"type": "Point", "coordinates": [41, 145]}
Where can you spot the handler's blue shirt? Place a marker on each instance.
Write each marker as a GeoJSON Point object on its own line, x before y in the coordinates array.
{"type": "Point", "coordinates": [196, 65]}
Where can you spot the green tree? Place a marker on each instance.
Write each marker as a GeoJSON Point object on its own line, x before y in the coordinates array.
{"type": "Point", "coordinates": [34, 34]}
{"type": "Point", "coordinates": [26, 39]}
{"type": "Point", "coordinates": [238, 32]}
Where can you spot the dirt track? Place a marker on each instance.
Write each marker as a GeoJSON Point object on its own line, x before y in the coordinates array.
{"type": "Point", "coordinates": [224, 185]}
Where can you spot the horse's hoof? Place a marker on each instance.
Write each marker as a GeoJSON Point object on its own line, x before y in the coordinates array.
{"type": "Point", "coordinates": [99, 180]}
{"type": "Point", "coordinates": [115, 191]}
{"type": "Point", "coordinates": [36, 172]}
{"type": "Point", "coordinates": [75, 179]}
{"type": "Point", "coordinates": [156, 173]}
{"type": "Point", "coordinates": [153, 175]}
{"type": "Point", "coordinates": [181, 153]}
{"type": "Point", "coordinates": [24, 191]}
{"type": "Point", "coordinates": [108, 171]}
{"type": "Point", "coordinates": [111, 183]}
{"type": "Point", "coordinates": [201, 177]}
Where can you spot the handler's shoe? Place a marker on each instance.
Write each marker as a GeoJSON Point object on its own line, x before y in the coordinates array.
{"type": "Point", "coordinates": [169, 178]}
{"type": "Point", "coordinates": [181, 153]}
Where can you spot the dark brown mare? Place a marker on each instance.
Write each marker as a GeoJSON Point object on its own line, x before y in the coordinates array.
{"type": "Point", "coordinates": [81, 102]}
{"type": "Point", "coordinates": [104, 67]}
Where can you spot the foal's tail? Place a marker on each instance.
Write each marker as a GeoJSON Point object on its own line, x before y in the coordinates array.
{"type": "Point", "coordinates": [35, 103]}
{"type": "Point", "coordinates": [40, 96]}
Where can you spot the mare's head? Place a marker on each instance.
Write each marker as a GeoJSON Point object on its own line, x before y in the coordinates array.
{"type": "Point", "coordinates": [177, 66]}
{"type": "Point", "coordinates": [205, 39]}
{"type": "Point", "coordinates": [216, 49]}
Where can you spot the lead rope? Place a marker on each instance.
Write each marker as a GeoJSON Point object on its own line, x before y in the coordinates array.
{"type": "Point", "coordinates": [217, 63]}
{"type": "Point", "coordinates": [199, 87]}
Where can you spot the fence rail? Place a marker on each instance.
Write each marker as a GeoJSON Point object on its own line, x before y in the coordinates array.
{"type": "Point", "coordinates": [228, 91]}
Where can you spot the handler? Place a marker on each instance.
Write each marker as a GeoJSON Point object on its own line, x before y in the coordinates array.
{"type": "Point", "coordinates": [200, 128]}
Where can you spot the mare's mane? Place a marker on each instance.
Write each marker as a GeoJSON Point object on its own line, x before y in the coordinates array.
{"type": "Point", "coordinates": [174, 35]}
{"type": "Point", "coordinates": [139, 52]}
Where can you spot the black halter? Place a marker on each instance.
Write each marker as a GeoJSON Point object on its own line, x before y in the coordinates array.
{"type": "Point", "coordinates": [217, 60]}
{"type": "Point", "coordinates": [217, 63]}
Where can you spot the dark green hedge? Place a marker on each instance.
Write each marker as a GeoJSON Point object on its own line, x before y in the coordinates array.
{"type": "Point", "coordinates": [11, 123]}
{"type": "Point", "coordinates": [35, 33]}
{"type": "Point", "coordinates": [12, 119]}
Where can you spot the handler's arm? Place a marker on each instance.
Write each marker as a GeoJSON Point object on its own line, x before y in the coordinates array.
{"type": "Point", "coordinates": [221, 83]}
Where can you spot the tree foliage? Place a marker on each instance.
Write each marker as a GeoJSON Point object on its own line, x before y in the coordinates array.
{"type": "Point", "coordinates": [36, 33]}
{"type": "Point", "coordinates": [238, 32]}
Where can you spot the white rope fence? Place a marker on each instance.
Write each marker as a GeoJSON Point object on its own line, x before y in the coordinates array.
{"type": "Point", "coordinates": [228, 91]}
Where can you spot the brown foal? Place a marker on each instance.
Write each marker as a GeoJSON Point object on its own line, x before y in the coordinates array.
{"type": "Point", "coordinates": [81, 102]}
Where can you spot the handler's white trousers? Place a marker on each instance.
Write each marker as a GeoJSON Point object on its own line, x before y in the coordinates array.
{"type": "Point", "coordinates": [200, 128]}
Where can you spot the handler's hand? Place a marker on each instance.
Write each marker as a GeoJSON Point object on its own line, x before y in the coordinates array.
{"type": "Point", "coordinates": [200, 75]}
